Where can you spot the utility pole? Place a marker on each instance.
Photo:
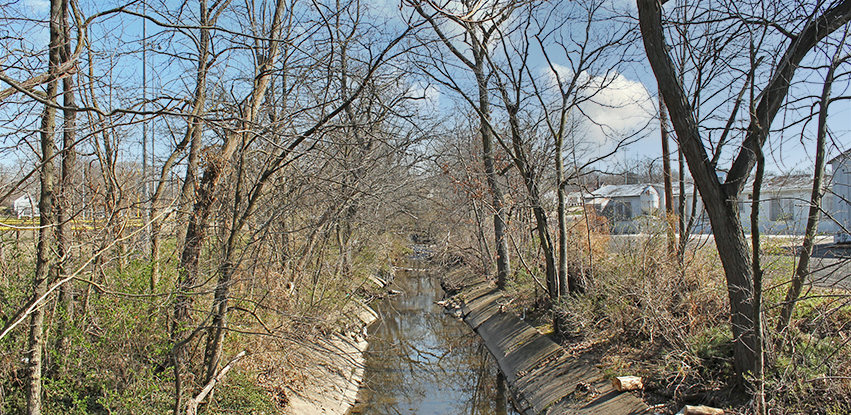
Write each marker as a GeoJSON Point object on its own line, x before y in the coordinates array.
{"type": "Point", "coordinates": [666, 168]}
{"type": "Point", "coordinates": [145, 191]}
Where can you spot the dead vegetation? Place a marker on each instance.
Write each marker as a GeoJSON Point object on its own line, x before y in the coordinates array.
{"type": "Point", "coordinates": [646, 315]}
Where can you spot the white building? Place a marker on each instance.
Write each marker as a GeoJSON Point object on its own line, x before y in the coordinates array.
{"type": "Point", "coordinates": [693, 204]}
{"type": "Point", "coordinates": [690, 200]}
{"type": "Point", "coordinates": [785, 205]}
{"type": "Point", "coordinates": [622, 204]}
{"type": "Point", "coordinates": [841, 197]}
{"type": "Point", "coordinates": [25, 206]}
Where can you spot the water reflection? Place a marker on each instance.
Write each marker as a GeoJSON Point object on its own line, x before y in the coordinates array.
{"type": "Point", "coordinates": [421, 361]}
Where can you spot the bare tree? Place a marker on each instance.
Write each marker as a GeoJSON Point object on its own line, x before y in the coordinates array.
{"type": "Point", "coordinates": [246, 130]}
{"type": "Point", "coordinates": [47, 176]}
{"type": "Point", "coordinates": [278, 160]}
{"type": "Point", "coordinates": [479, 27]}
{"type": "Point", "coordinates": [64, 206]}
{"type": "Point", "coordinates": [720, 195]}
{"type": "Point", "coordinates": [591, 53]}
{"type": "Point", "coordinates": [802, 269]}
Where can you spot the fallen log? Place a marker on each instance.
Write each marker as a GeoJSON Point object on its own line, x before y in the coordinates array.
{"type": "Point", "coordinates": [192, 405]}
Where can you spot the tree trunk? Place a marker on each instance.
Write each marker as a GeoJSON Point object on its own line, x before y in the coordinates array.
{"type": "Point", "coordinates": [484, 247]}
{"type": "Point", "coordinates": [216, 336]}
{"type": "Point", "coordinates": [684, 230]}
{"type": "Point", "coordinates": [720, 205]}
{"type": "Point", "coordinates": [555, 284]}
{"type": "Point", "coordinates": [562, 209]}
{"type": "Point", "coordinates": [43, 258]}
{"type": "Point", "coordinates": [802, 270]}
{"type": "Point", "coordinates": [759, 351]}
{"type": "Point", "coordinates": [731, 242]}
{"type": "Point", "coordinates": [720, 199]}
{"type": "Point", "coordinates": [477, 65]}
{"type": "Point", "coordinates": [503, 265]}
{"type": "Point", "coordinates": [66, 185]}
{"type": "Point", "coordinates": [36, 339]}
{"type": "Point", "coordinates": [156, 199]}
{"type": "Point", "coordinates": [263, 71]}
{"type": "Point", "coordinates": [203, 194]}
{"type": "Point", "coordinates": [195, 125]}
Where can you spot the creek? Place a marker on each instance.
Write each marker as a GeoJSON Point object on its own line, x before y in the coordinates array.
{"type": "Point", "coordinates": [423, 361]}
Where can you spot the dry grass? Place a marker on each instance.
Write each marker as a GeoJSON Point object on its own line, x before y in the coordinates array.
{"type": "Point", "coordinates": [645, 314]}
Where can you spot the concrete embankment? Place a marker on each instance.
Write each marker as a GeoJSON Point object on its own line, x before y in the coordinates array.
{"type": "Point", "coordinates": [542, 376]}
{"type": "Point", "coordinates": [337, 369]}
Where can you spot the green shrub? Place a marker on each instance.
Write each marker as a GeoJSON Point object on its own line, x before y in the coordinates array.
{"type": "Point", "coordinates": [239, 394]}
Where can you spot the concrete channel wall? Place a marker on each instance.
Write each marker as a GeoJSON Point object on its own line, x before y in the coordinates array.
{"type": "Point", "coordinates": [542, 376]}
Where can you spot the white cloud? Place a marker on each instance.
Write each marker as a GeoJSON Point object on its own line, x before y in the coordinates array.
{"type": "Point", "coordinates": [617, 106]}
{"type": "Point", "coordinates": [386, 10]}
{"type": "Point", "coordinates": [427, 96]}
{"type": "Point", "coordinates": [38, 6]}
{"type": "Point", "coordinates": [563, 72]}
{"type": "Point", "coordinates": [621, 106]}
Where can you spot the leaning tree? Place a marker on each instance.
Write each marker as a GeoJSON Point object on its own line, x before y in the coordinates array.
{"type": "Point", "coordinates": [755, 47]}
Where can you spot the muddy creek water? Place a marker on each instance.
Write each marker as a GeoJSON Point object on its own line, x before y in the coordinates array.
{"type": "Point", "coordinates": [422, 361]}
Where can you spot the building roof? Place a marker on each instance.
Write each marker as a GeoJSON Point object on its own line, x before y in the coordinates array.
{"type": "Point", "coordinates": [675, 186]}
{"type": "Point", "coordinates": [621, 190]}
{"type": "Point", "coordinates": [845, 155]}
{"type": "Point", "coordinates": [24, 199]}
{"type": "Point", "coordinates": [785, 182]}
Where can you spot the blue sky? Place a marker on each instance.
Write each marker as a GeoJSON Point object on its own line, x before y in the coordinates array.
{"type": "Point", "coordinates": [628, 105]}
